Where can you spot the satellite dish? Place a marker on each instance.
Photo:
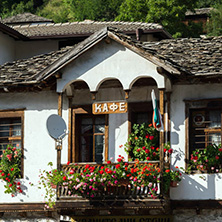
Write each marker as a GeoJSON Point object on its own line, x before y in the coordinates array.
{"type": "Point", "coordinates": [56, 127]}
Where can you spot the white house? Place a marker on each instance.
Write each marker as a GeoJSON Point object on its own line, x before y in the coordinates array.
{"type": "Point", "coordinates": [110, 67]}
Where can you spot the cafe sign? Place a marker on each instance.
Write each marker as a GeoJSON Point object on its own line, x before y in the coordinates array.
{"type": "Point", "coordinates": [158, 218]}
{"type": "Point", "coordinates": [109, 107]}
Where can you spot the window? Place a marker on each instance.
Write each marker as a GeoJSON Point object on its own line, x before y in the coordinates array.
{"type": "Point", "coordinates": [11, 129]}
{"type": "Point", "coordinates": [140, 113]}
{"type": "Point", "coordinates": [90, 137]}
{"type": "Point", "coordinates": [204, 123]}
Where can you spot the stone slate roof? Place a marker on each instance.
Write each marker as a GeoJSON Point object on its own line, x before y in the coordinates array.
{"type": "Point", "coordinates": [194, 57]}
{"type": "Point", "coordinates": [199, 11]}
{"type": "Point", "coordinates": [25, 71]}
{"type": "Point", "coordinates": [25, 18]}
{"type": "Point", "coordinates": [86, 27]}
{"type": "Point", "coordinates": [200, 56]}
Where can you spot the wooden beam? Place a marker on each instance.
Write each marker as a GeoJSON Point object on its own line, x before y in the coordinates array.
{"type": "Point", "coordinates": [59, 148]}
{"type": "Point", "coordinates": [161, 104]}
{"type": "Point", "coordinates": [23, 207]}
{"type": "Point", "coordinates": [70, 131]}
{"type": "Point", "coordinates": [168, 94]}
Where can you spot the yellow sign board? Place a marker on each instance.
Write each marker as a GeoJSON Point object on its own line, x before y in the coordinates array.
{"type": "Point", "coordinates": [159, 218]}
{"type": "Point", "coordinates": [110, 107]}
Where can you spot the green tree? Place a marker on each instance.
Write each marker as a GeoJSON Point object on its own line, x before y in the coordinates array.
{"type": "Point", "coordinates": [55, 10]}
{"type": "Point", "coordinates": [214, 27]}
{"type": "Point", "coordinates": [98, 10]}
{"type": "Point", "coordinates": [169, 13]}
{"type": "Point", "coordinates": [208, 3]}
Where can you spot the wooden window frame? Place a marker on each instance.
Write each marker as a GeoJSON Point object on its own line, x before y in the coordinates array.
{"type": "Point", "coordinates": [73, 154]}
{"type": "Point", "coordinates": [197, 104]}
{"type": "Point", "coordinates": [16, 113]}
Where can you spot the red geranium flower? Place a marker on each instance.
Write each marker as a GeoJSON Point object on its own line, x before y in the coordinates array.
{"type": "Point", "coordinates": [64, 178]}
{"type": "Point", "coordinates": [147, 151]}
{"type": "Point", "coordinates": [10, 185]}
{"type": "Point", "coordinates": [148, 158]}
{"type": "Point", "coordinates": [143, 147]}
{"type": "Point", "coordinates": [147, 136]}
{"type": "Point", "coordinates": [3, 174]}
{"type": "Point", "coordinates": [68, 162]}
{"type": "Point", "coordinates": [154, 154]}
{"type": "Point", "coordinates": [18, 183]}
{"type": "Point", "coordinates": [170, 151]}
{"type": "Point", "coordinates": [108, 161]}
{"type": "Point", "coordinates": [119, 160]}
{"type": "Point", "coordinates": [167, 171]}
{"type": "Point", "coordinates": [117, 166]}
{"type": "Point", "coordinates": [151, 137]}
{"type": "Point", "coordinates": [220, 149]}
{"type": "Point", "coordinates": [217, 157]}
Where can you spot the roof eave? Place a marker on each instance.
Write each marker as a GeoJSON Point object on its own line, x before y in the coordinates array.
{"type": "Point", "coordinates": [11, 32]}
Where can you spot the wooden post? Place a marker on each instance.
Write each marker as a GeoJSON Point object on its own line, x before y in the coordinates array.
{"type": "Point", "coordinates": [168, 94]}
{"type": "Point", "coordinates": [161, 101]}
{"type": "Point", "coordinates": [59, 148]}
{"type": "Point", "coordinates": [70, 131]}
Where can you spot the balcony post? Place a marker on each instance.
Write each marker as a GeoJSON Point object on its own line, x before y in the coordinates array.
{"type": "Point", "coordinates": [161, 104]}
{"type": "Point", "coordinates": [59, 148]}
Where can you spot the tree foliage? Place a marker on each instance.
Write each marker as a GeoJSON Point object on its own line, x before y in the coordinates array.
{"type": "Point", "coordinates": [214, 27]}
{"type": "Point", "coordinates": [208, 3]}
{"type": "Point", "coordinates": [98, 10]}
{"type": "Point", "coordinates": [55, 10]}
{"type": "Point", "coordinates": [169, 13]}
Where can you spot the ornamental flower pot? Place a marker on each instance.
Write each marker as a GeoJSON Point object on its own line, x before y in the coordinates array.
{"type": "Point", "coordinates": [174, 183]}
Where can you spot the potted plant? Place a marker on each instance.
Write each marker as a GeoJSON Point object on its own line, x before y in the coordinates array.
{"type": "Point", "coordinates": [207, 160]}
{"type": "Point", "coordinates": [171, 178]}
{"type": "Point", "coordinates": [143, 143]}
{"type": "Point", "coordinates": [10, 170]}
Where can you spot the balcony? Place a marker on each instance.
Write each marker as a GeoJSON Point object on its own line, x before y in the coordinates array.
{"type": "Point", "coordinates": [123, 189]}
{"type": "Point", "coordinates": [123, 195]}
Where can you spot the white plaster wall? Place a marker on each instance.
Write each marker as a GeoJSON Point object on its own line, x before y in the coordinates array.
{"type": "Point", "coordinates": [39, 147]}
{"type": "Point", "coordinates": [107, 61]}
{"type": "Point", "coordinates": [27, 49]}
{"type": "Point", "coordinates": [7, 48]}
{"type": "Point", "coordinates": [191, 186]}
{"type": "Point", "coordinates": [118, 134]}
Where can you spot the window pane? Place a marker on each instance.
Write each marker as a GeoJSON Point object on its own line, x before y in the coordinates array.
{"type": "Point", "coordinates": [100, 120]}
{"type": "Point", "coordinates": [100, 124]}
{"type": "Point", "coordinates": [87, 126]}
{"type": "Point", "coordinates": [215, 118]}
{"type": "Point", "coordinates": [141, 118]}
{"type": "Point", "coordinates": [214, 138]}
{"type": "Point", "coordinates": [99, 148]}
{"type": "Point", "coordinates": [86, 149]}
{"type": "Point", "coordinates": [4, 127]}
{"type": "Point", "coordinates": [16, 127]}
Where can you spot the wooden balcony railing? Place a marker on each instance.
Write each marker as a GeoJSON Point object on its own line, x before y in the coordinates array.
{"type": "Point", "coordinates": [123, 190]}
